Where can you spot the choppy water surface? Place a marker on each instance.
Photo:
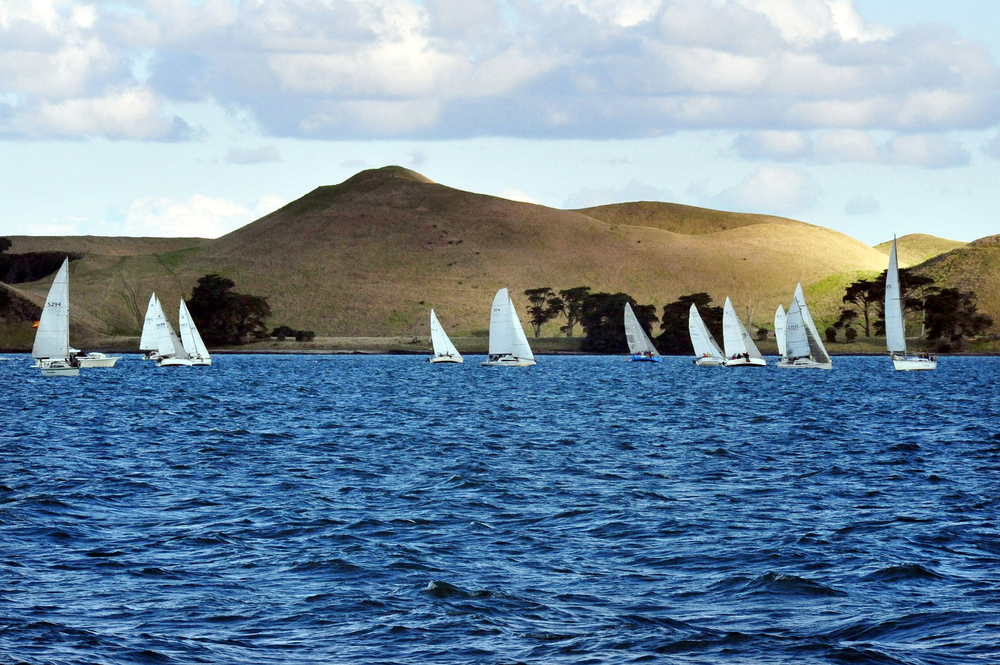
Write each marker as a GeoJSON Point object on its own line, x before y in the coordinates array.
{"type": "Point", "coordinates": [304, 509]}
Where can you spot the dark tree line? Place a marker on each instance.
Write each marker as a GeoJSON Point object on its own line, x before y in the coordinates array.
{"type": "Point", "coordinates": [948, 316]}
{"type": "Point", "coordinates": [224, 316]}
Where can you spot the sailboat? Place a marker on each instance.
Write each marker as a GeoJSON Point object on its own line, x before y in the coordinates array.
{"type": "Point", "coordinates": [803, 347]}
{"type": "Point", "coordinates": [895, 333]}
{"type": "Point", "coordinates": [508, 345]}
{"type": "Point", "coordinates": [705, 347]}
{"type": "Point", "coordinates": [51, 347]}
{"type": "Point", "coordinates": [780, 320]}
{"type": "Point", "coordinates": [170, 349]}
{"type": "Point", "coordinates": [444, 350]}
{"type": "Point", "coordinates": [191, 338]}
{"type": "Point", "coordinates": [740, 349]}
{"type": "Point", "coordinates": [148, 343]}
{"type": "Point", "coordinates": [638, 342]}
{"type": "Point", "coordinates": [93, 359]}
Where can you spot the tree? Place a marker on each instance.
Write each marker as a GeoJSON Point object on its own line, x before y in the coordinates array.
{"type": "Point", "coordinates": [603, 321]}
{"type": "Point", "coordinates": [865, 293]}
{"type": "Point", "coordinates": [913, 291]}
{"type": "Point", "coordinates": [224, 316]}
{"type": "Point", "coordinates": [544, 305]}
{"type": "Point", "coordinates": [850, 334]}
{"type": "Point", "coordinates": [953, 316]}
{"type": "Point", "coordinates": [5, 244]}
{"type": "Point", "coordinates": [675, 339]}
{"type": "Point", "coordinates": [831, 334]}
{"type": "Point", "coordinates": [573, 300]}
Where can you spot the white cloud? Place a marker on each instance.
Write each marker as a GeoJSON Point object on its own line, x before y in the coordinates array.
{"type": "Point", "coordinates": [341, 69]}
{"type": "Point", "coordinates": [852, 146]}
{"type": "Point", "coordinates": [263, 155]}
{"type": "Point", "coordinates": [992, 148]}
{"type": "Point", "coordinates": [771, 190]}
{"type": "Point", "coordinates": [199, 216]}
{"type": "Point", "coordinates": [517, 195]}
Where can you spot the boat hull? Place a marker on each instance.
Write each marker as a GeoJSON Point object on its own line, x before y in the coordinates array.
{"type": "Point", "coordinates": [744, 362]}
{"type": "Point", "coordinates": [709, 362]}
{"type": "Point", "coordinates": [508, 361]}
{"type": "Point", "coordinates": [913, 363]}
{"type": "Point", "coordinates": [645, 359]}
{"type": "Point", "coordinates": [804, 363]}
{"type": "Point", "coordinates": [201, 362]}
{"type": "Point", "coordinates": [98, 361]}
{"type": "Point", "coordinates": [174, 362]}
{"type": "Point", "coordinates": [57, 368]}
{"type": "Point", "coordinates": [445, 359]}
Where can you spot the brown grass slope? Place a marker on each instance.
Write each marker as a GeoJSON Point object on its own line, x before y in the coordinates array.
{"type": "Point", "coordinates": [973, 267]}
{"type": "Point", "coordinates": [372, 255]}
{"type": "Point", "coordinates": [916, 248]}
{"type": "Point", "coordinates": [678, 218]}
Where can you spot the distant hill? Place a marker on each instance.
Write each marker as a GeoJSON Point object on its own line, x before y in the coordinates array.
{"type": "Point", "coordinates": [373, 254]}
{"type": "Point", "coordinates": [918, 247]}
{"type": "Point", "coordinates": [973, 267]}
{"type": "Point", "coordinates": [678, 218]}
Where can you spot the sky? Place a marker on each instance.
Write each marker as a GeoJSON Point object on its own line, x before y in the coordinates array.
{"type": "Point", "coordinates": [195, 117]}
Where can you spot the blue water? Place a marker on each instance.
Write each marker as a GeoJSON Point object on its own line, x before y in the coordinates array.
{"type": "Point", "coordinates": [379, 509]}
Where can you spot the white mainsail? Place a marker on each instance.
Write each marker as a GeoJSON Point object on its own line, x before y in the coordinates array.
{"type": "Point", "coordinates": [701, 339]}
{"type": "Point", "coordinates": [440, 341]}
{"type": "Point", "coordinates": [779, 329]}
{"type": "Point", "coordinates": [816, 347]}
{"type": "Point", "coordinates": [168, 345]}
{"type": "Point", "coordinates": [895, 336]}
{"type": "Point", "coordinates": [796, 340]}
{"type": "Point", "coordinates": [190, 337]}
{"type": "Point", "coordinates": [52, 336]}
{"type": "Point", "coordinates": [638, 342]}
{"type": "Point", "coordinates": [506, 334]}
{"type": "Point", "coordinates": [148, 340]}
{"type": "Point", "coordinates": [735, 337]}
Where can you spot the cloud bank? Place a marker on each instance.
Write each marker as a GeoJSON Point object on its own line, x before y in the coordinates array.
{"type": "Point", "coordinates": [369, 69]}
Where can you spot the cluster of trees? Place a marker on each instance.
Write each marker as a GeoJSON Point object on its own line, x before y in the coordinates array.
{"type": "Point", "coordinates": [30, 266]}
{"type": "Point", "coordinates": [284, 332]}
{"type": "Point", "coordinates": [947, 316]}
{"type": "Point", "coordinates": [224, 316]}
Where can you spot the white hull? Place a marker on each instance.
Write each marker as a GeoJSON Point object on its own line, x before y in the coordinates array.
{"type": "Point", "coordinates": [56, 368]}
{"type": "Point", "coordinates": [743, 362]}
{"type": "Point", "coordinates": [913, 363]}
{"type": "Point", "coordinates": [204, 362]}
{"type": "Point", "coordinates": [709, 362]}
{"type": "Point", "coordinates": [508, 361]}
{"type": "Point", "coordinates": [174, 362]}
{"type": "Point", "coordinates": [804, 363]}
{"type": "Point", "coordinates": [97, 360]}
{"type": "Point", "coordinates": [446, 359]}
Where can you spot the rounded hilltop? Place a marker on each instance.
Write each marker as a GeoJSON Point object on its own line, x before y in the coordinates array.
{"type": "Point", "coordinates": [376, 177]}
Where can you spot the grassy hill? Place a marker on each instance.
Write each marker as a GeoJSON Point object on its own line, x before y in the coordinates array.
{"type": "Point", "coordinates": [916, 248]}
{"type": "Point", "coordinates": [370, 256]}
{"type": "Point", "coordinates": [972, 267]}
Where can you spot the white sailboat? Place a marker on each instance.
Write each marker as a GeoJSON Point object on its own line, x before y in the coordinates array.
{"type": "Point", "coordinates": [638, 342]}
{"type": "Point", "coordinates": [895, 332]}
{"type": "Point", "coordinates": [444, 350]}
{"type": "Point", "coordinates": [780, 319]}
{"type": "Point", "coordinates": [51, 347]}
{"type": "Point", "coordinates": [705, 347]}
{"type": "Point", "coordinates": [171, 350]}
{"type": "Point", "coordinates": [803, 347]}
{"type": "Point", "coordinates": [740, 349]}
{"type": "Point", "coordinates": [148, 342]}
{"type": "Point", "coordinates": [508, 345]}
{"type": "Point", "coordinates": [191, 338]}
